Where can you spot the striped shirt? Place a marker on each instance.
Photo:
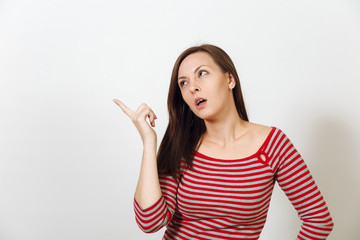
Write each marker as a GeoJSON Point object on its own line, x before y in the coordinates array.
{"type": "Point", "coordinates": [229, 199]}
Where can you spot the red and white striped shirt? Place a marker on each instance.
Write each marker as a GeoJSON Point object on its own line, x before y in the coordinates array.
{"type": "Point", "coordinates": [229, 199]}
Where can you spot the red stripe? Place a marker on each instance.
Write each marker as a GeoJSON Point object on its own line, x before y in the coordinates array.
{"type": "Point", "coordinates": [232, 197]}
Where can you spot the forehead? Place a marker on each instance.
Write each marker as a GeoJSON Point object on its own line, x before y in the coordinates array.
{"type": "Point", "coordinates": [194, 60]}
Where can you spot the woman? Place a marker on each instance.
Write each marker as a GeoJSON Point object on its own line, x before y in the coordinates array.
{"type": "Point", "coordinates": [215, 171]}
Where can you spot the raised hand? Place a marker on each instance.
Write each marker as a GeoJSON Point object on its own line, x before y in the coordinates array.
{"type": "Point", "coordinates": [139, 117]}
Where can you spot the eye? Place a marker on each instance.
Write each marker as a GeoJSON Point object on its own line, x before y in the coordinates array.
{"type": "Point", "coordinates": [182, 83]}
{"type": "Point", "coordinates": [202, 73]}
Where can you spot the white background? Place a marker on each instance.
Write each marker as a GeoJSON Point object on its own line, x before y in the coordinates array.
{"type": "Point", "coordinates": [70, 158]}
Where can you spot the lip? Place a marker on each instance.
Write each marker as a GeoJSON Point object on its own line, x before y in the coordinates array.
{"type": "Point", "coordinates": [201, 104]}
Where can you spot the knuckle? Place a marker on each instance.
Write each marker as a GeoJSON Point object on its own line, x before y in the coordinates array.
{"type": "Point", "coordinates": [134, 118]}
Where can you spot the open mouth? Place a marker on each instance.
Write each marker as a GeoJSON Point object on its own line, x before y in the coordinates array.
{"type": "Point", "coordinates": [200, 101]}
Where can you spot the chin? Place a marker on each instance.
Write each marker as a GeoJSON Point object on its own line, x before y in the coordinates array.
{"type": "Point", "coordinates": [204, 115]}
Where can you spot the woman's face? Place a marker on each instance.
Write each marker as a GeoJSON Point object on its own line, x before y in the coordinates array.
{"type": "Point", "coordinates": [204, 87]}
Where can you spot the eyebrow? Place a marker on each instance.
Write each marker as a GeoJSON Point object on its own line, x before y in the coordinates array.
{"type": "Point", "coordinates": [194, 71]}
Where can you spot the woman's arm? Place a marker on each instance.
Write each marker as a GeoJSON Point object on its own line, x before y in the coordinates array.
{"type": "Point", "coordinates": [148, 187]}
{"type": "Point", "coordinates": [154, 205]}
{"type": "Point", "coordinates": [299, 186]}
{"type": "Point", "coordinates": [159, 214]}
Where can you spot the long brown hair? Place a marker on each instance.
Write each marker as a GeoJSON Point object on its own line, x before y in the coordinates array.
{"type": "Point", "coordinates": [185, 129]}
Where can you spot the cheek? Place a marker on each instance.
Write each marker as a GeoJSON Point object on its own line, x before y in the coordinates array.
{"type": "Point", "coordinates": [221, 95]}
{"type": "Point", "coordinates": [186, 98]}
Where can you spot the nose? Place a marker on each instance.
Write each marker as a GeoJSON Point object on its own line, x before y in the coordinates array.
{"type": "Point", "coordinates": [194, 87]}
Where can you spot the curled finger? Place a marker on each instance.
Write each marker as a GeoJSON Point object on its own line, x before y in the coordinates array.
{"type": "Point", "coordinates": [152, 118]}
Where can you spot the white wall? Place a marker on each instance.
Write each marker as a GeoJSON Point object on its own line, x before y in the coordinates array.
{"type": "Point", "coordinates": [69, 157]}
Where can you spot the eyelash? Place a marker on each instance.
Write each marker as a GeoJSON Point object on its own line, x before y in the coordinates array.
{"type": "Point", "coordinates": [182, 83]}
{"type": "Point", "coordinates": [199, 73]}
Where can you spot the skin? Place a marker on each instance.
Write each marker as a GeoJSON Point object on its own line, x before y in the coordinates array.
{"type": "Point", "coordinates": [227, 136]}
{"type": "Point", "coordinates": [199, 76]}
{"type": "Point", "coordinates": [148, 189]}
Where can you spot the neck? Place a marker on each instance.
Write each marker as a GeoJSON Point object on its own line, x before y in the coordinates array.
{"type": "Point", "coordinates": [227, 129]}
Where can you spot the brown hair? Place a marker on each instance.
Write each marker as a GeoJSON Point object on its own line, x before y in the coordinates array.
{"type": "Point", "coordinates": [185, 129]}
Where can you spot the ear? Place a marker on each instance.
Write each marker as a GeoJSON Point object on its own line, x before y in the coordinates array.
{"type": "Point", "coordinates": [231, 81]}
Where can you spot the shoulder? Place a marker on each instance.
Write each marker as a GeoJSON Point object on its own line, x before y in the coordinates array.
{"type": "Point", "coordinates": [270, 133]}
{"type": "Point", "coordinates": [261, 134]}
{"type": "Point", "coordinates": [256, 135]}
{"type": "Point", "coordinates": [258, 131]}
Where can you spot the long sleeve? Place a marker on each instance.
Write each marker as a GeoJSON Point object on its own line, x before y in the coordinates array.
{"type": "Point", "coordinates": [158, 215]}
{"type": "Point", "coordinates": [294, 178]}
{"type": "Point", "coordinates": [229, 198]}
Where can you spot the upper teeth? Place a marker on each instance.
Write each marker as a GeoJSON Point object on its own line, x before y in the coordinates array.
{"type": "Point", "coordinates": [199, 101]}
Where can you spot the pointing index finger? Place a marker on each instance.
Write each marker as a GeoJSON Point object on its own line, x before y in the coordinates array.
{"type": "Point", "coordinates": [123, 107]}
